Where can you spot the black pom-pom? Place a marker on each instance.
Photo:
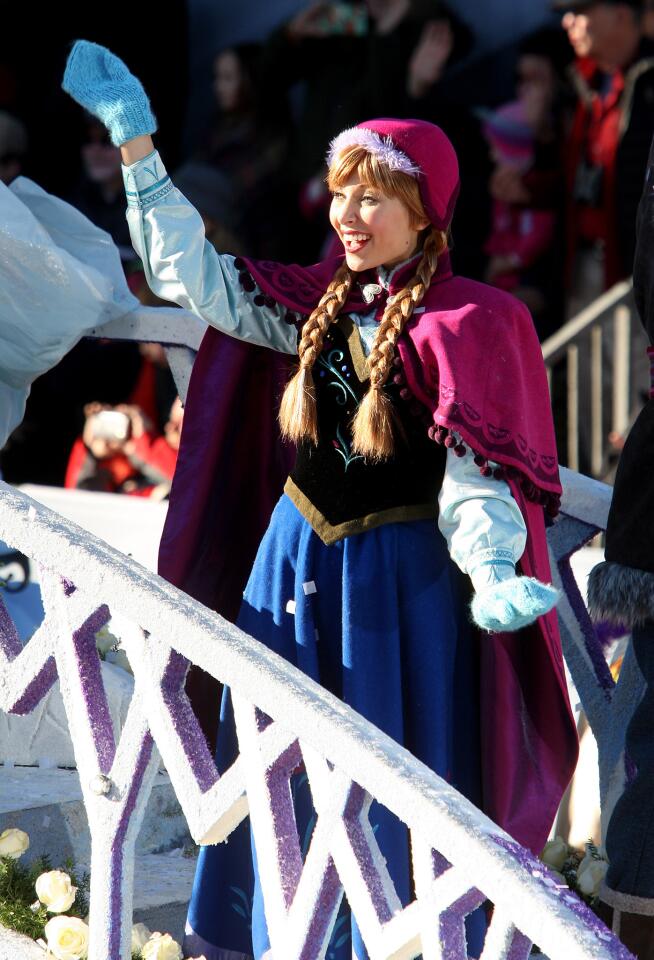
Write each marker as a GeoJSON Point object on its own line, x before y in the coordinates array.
{"type": "Point", "coordinates": [485, 471]}
{"type": "Point", "coordinates": [397, 361]}
{"type": "Point", "coordinates": [498, 473]}
{"type": "Point", "coordinates": [480, 461]}
{"type": "Point", "coordinates": [449, 441]}
{"type": "Point", "coordinates": [239, 263]}
{"type": "Point", "coordinates": [291, 318]}
{"type": "Point", "coordinates": [460, 450]}
{"type": "Point", "coordinates": [259, 300]}
{"type": "Point", "coordinates": [432, 433]}
{"type": "Point", "coordinates": [399, 380]}
{"type": "Point", "coordinates": [270, 301]}
{"type": "Point", "coordinates": [405, 393]}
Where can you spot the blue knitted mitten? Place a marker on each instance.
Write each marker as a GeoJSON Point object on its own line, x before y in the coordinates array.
{"type": "Point", "coordinates": [103, 85]}
{"type": "Point", "coordinates": [512, 604]}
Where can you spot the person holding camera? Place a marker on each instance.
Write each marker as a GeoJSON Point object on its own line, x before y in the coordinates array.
{"type": "Point", "coordinates": [119, 452]}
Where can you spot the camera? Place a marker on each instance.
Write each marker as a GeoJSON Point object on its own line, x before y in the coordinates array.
{"type": "Point", "coordinates": [110, 425]}
{"type": "Point", "coordinates": [587, 187]}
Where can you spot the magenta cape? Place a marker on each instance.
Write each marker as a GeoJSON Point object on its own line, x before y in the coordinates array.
{"type": "Point", "coordinates": [473, 359]}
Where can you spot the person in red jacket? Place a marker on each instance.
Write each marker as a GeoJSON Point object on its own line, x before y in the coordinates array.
{"type": "Point", "coordinates": [118, 452]}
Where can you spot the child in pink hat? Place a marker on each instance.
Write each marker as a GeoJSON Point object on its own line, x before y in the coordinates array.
{"type": "Point", "coordinates": [520, 235]}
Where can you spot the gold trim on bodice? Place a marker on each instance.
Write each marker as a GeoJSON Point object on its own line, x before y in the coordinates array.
{"type": "Point", "coordinates": [331, 534]}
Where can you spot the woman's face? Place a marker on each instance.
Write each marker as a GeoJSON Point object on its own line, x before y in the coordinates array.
{"type": "Point", "coordinates": [375, 229]}
{"type": "Point", "coordinates": [227, 81]}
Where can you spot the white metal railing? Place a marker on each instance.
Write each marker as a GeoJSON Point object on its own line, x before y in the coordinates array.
{"type": "Point", "coordinates": [83, 580]}
{"type": "Point", "coordinates": [339, 748]}
{"type": "Point", "coordinates": [606, 338]}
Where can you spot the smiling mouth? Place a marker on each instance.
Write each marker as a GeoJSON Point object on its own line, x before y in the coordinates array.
{"type": "Point", "coordinates": [353, 242]}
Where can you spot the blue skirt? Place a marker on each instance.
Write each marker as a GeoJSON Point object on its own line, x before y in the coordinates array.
{"type": "Point", "coordinates": [380, 619]}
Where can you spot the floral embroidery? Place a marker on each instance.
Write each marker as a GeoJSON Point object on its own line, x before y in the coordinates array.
{"type": "Point", "coordinates": [343, 393]}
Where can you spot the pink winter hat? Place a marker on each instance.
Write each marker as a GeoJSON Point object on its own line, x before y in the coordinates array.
{"type": "Point", "coordinates": [417, 148]}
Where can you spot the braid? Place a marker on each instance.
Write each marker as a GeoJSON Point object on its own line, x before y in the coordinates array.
{"type": "Point", "coordinates": [373, 424]}
{"type": "Point", "coordinates": [297, 412]}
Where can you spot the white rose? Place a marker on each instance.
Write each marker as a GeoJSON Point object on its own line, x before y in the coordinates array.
{"type": "Point", "coordinates": [140, 936]}
{"type": "Point", "coordinates": [119, 659]}
{"type": "Point", "coordinates": [555, 853]}
{"type": "Point", "coordinates": [161, 946]}
{"type": "Point", "coordinates": [55, 891]}
{"type": "Point", "coordinates": [13, 843]}
{"type": "Point", "coordinates": [68, 938]}
{"type": "Point", "coordinates": [590, 874]}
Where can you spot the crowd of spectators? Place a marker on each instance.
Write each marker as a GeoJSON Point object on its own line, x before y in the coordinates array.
{"type": "Point", "coordinates": [551, 172]}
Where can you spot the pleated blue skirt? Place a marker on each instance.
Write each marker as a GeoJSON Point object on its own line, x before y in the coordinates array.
{"type": "Point", "coordinates": [380, 619]}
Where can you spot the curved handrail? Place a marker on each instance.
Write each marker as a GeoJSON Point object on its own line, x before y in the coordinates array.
{"type": "Point", "coordinates": [82, 580]}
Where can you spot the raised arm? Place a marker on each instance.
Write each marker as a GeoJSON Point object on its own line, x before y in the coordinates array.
{"type": "Point", "coordinates": [166, 231]}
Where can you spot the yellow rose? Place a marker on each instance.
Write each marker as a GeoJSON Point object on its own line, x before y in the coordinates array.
{"type": "Point", "coordinates": [555, 853]}
{"type": "Point", "coordinates": [68, 938]}
{"type": "Point", "coordinates": [55, 891]}
{"type": "Point", "coordinates": [13, 843]}
{"type": "Point", "coordinates": [161, 946]}
{"type": "Point", "coordinates": [140, 936]}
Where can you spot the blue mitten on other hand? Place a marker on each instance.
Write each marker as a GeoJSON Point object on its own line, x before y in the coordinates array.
{"type": "Point", "coordinates": [512, 604]}
{"type": "Point", "coordinates": [102, 84]}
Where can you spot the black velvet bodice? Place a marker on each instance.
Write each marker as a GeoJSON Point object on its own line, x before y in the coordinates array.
{"type": "Point", "coordinates": [340, 492]}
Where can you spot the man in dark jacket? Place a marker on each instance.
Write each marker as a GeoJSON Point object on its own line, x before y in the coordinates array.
{"type": "Point", "coordinates": [607, 149]}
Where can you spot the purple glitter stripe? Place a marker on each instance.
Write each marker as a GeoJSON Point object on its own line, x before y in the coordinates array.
{"type": "Point", "coordinates": [36, 689]}
{"type": "Point", "coordinates": [361, 846]}
{"type": "Point", "coordinates": [289, 855]}
{"type": "Point", "coordinates": [324, 915]}
{"type": "Point", "coordinates": [117, 851]}
{"type": "Point", "coordinates": [9, 639]}
{"type": "Point", "coordinates": [439, 864]}
{"type": "Point", "coordinates": [591, 642]}
{"type": "Point", "coordinates": [95, 697]}
{"type": "Point", "coordinates": [540, 872]}
{"type": "Point", "coordinates": [452, 925]}
{"type": "Point", "coordinates": [520, 948]}
{"type": "Point", "coordinates": [185, 723]}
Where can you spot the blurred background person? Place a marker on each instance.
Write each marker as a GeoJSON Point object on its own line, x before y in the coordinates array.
{"type": "Point", "coordinates": [121, 452]}
{"type": "Point", "coordinates": [247, 141]}
{"type": "Point", "coordinates": [13, 147]}
{"type": "Point", "coordinates": [608, 145]}
{"type": "Point", "coordinates": [521, 236]}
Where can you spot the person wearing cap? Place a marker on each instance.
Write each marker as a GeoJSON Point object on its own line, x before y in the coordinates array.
{"type": "Point", "coordinates": [425, 462]}
{"type": "Point", "coordinates": [609, 141]}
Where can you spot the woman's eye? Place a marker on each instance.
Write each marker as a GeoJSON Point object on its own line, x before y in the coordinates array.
{"type": "Point", "coordinates": [336, 195]}
{"type": "Point", "coordinates": [368, 199]}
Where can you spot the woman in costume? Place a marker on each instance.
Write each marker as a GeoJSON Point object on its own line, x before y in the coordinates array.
{"type": "Point", "coordinates": [425, 461]}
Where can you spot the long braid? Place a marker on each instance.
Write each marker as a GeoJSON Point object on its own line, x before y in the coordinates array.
{"type": "Point", "coordinates": [297, 412]}
{"type": "Point", "coordinates": [372, 428]}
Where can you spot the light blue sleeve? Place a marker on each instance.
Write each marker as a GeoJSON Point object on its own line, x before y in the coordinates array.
{"type": "Point", "coordinates": [181, 265]}
{"type": "Point", "coordinates": [481, 522]}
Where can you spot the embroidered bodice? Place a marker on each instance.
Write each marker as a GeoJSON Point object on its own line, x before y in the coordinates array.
{"type": "Point", "coordinates": [340, 492]}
